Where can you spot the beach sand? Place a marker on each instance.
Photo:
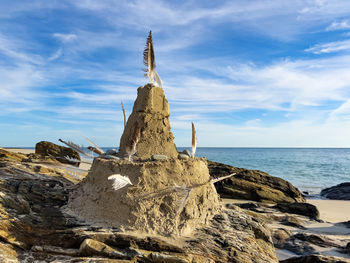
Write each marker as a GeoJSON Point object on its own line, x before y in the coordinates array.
{"type": "Point", "coordinates": [83, 166]}
{"type": "Point", "coordinates": [19, 150]}
{"type": "Point", "coordinates": [333, 211]}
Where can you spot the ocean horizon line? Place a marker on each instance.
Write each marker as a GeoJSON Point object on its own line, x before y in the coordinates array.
{"type": "Point", "coordinates": [215, 147]}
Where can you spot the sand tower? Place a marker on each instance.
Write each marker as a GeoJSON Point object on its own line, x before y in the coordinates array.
{"type": "Point", "coordinates": [167, 197]}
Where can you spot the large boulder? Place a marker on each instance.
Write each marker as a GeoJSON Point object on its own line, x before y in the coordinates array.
{"type": "Point", "coordinates": [49, 149]}
{"type": "Point", "coordinates": [253, 185]}
{"type": "Point", "coordinates": [338, 192]}
{"type": "Point", "coordinates": [304, 209]}
{"type": "Point", "coordinates": [151, 115]}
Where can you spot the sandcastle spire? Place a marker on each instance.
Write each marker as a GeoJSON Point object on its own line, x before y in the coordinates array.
{"type": "Point", "coordinates": [150, 116]}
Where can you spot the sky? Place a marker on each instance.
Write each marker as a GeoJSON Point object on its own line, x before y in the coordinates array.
{"type": "Point", "coordinates": [247, 73]}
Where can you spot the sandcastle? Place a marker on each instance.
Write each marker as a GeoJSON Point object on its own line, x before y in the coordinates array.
{"type": "Point", "coordinates": [171, 196]}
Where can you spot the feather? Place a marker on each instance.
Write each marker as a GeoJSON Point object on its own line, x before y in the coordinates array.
{"type": "Point", "coordinates": [124, 114]}
{"type": "Point", "coordinates": [76, 147]}
{"type": "Point", "coordinates": [73, 160]}
{"type": "Point", "coordinates": [194, 140]}
{"type": "Point", "coordinates": [221, 178]}
{"type": "Point", "coordinates": [97, 149]}
{"type": "Point", "coordinates": [185, 191]}
{"type": "Point", "coordinates": [119, 181]}
{"type": "Point", "coordinates": [148, 57]}
{"type": "Point", "coordinates": [134, 139]}
{"type": "Point", "coordinates": [157, 79]}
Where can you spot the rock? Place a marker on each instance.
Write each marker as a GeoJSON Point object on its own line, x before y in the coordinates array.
{"type": "Point", "coordinates": [346, 224]}
{"type": "Point", "coordinates": [165, 258]}
{"type": "Point", "coordinates": [92, 247]}
{"type": "Point", "coordinates": [233, 236]}
{"type": "Point", "coordinates": [292, 221]}
{"type": "Point", "coordinates": [298, 247]}
{"type": "Point", "coordinates": [253, 185]}
{"type": "Point", "coordinates": [56, 250]}
{"type": "Point", "coordinates": [338, 192]}
{"type": "Point", "coordinates": [187, 152]}
{"type": "Point", "coordinates": [318, 240]}
{"type": "Point", "coordinates": [15, 202]}
{"type": "Point", "coordinates": [279, 237]}
{"type": "Point", "coordinates": [182, 156]}
{"type": "Point", "coordinates": [304, 244]}
{"type": "Point", "coordinates": [304, 209]}
{"type": "Point", "coordinates": [151, 115]}
{"type": "Point", "coordinates": [347, 248]}
{"type": "Point", "coordinates": [315, 259]}
{"type": "Point", "coordinates": [7, 253]}
{"type": "Point", "coordinates": [111, 152]}
{"type": "Point", "coordinates": [159, 157]}
{"type": "Point", "coordinates": [49, 149]}
{"type": "Point", "coordinates": [7, 156]}
{"type": "Point", "coordinates": [110, 157]}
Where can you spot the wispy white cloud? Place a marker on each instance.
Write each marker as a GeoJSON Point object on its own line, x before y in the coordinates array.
{"type": "Point", "coordinates": [342, 25]}
{"type": "Point", "coordinates": [65, 37]}
{"type": "Point", "coordinates": [330, 47]}
{"type": "Point", "coordinates": [14, 49]}
{"type": "Point", "coordinates": [56, 55]}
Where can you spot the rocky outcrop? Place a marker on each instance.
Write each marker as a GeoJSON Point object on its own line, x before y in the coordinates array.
{"type": "Point", "coordinates": [253, 185]}
{"type": "Point", "coordinates": [49, 149]}
{"type": "Point", "coordinates": [151, 115]}
{"type": "Point", "coordinates": [315, 259]}
{"type": "Point", "coordinates": [154, 203]}
{"type": "Point", "coordinates": [35, 228]}
{"type": "Point", "coordinates": [304, 209]}
{"type": "Point", "coordinates": [338, 192]}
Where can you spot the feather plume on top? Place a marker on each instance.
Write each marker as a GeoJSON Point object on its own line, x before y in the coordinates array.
{"type": "Point", "coordinates": [119, 181]}
{"type": "Point", "coordinates": [149, 62]}
{"type": "Point", "coordinates": [134, 139]}
{"type": "Point", "coordinates": [194, 140]}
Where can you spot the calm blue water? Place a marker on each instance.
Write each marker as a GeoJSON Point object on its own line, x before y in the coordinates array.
{"type": "Point", "coordinates": [309, 169]}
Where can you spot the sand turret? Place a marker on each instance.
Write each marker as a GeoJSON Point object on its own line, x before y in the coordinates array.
{"type": "Point", "coordinates": [151, 115]}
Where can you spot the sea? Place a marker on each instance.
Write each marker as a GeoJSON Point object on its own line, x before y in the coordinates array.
{"type": "Point", "coordinates": [309, 169]}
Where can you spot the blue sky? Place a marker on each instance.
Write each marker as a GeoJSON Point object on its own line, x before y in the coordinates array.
{"type": "Point", "coordinates": [247, 73]}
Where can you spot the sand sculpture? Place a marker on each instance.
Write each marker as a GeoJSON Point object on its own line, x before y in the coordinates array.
{"type": "Point", "coordinates": [167, 197]}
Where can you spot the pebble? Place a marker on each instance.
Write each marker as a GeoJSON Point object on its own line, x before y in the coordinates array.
{"type": "Point", "coordinates": [111, 157]}
{"type": "Point", "coordinates": [159, 157]}
{"type": "Point", "coordinates": [183, 156]}
{"type": "Point", "coordinates": [187, 152]}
